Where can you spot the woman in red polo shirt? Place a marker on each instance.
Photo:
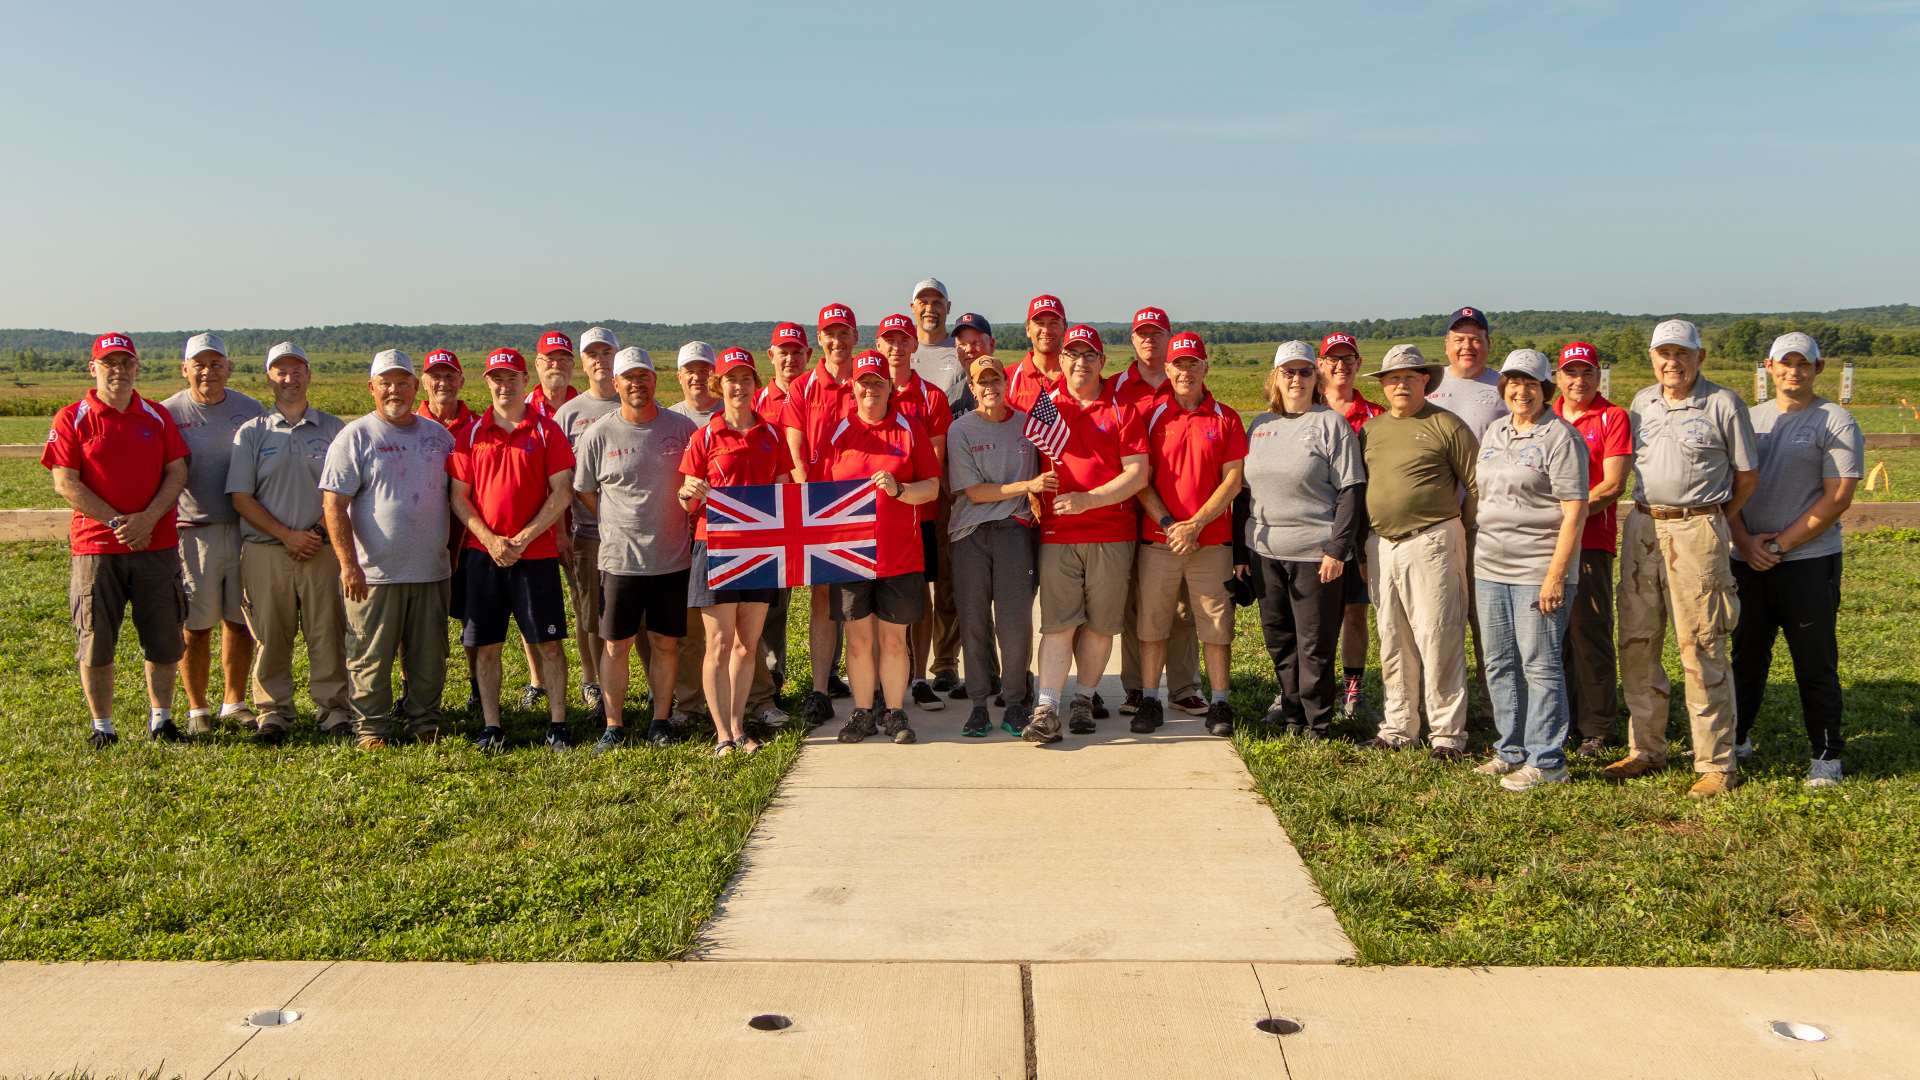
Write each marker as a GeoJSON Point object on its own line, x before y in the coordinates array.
{"type": "Point", "coordinates": [737, 446]}
{"type": "Point", "coordinates": [878, 442]}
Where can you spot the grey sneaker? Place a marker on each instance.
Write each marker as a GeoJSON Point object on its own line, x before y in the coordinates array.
{"type": "Point", "coordinates": [533, 697]}
{"type": "Point", "coordinates": [1526, 778]}
{"type": "Point", "coordinates": [774, 717]}
{"type": "Point", "coordinates": [1823, 773]}
{"type": "Point", "coordinates": [1043, 727]}
{"type": "Point", "coordinates": [1080, 716]}
{"type": "Point", "coordinates": [590, 693]}
{"type": "Point", "coordinates": [893, 724]}
{"type": "Point", "coordinates": [1743, 749]}
{"type": "Point", "coordinates": [858, 726]}
{"type": "Point", "coordinates": [1499, 767]}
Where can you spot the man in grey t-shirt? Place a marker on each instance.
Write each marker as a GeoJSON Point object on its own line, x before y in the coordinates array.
{"type": "Point", "coordinates": [581, 565]}
{"type": "Point", "coordinates": [936, 358]}
{"type": "Point", "coordinates": [208, 415]}
{"type": "Point", "coordinates": [1786, 559]}
{"type": "Point", "coordinates": [385, 495]}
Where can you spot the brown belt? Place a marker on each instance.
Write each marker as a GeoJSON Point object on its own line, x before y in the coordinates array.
{"type": "Point", "coordinates": [1676, 513]}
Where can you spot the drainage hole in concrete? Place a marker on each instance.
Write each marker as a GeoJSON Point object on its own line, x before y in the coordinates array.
{"type": "Point", "coordinates": [770, 1022]}
{"type": "Point", "coordinates": [266, 1018]}
{"type": "Point", "coordinates": [1797, 1031]}
{"type": "Point", "coordinates": [1278, 1025]}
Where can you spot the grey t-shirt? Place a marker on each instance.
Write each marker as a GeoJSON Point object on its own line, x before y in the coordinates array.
{"type": "Point", "coordinates": [574, 418]}
{"type": "Point", "coordinates": [209, 432]}
{"type": "Point", "coordinates": [279, 464]}
{"type": "Point", "coordinates": [1524, 476]}
{"type": "Point", "coordinates": [636, 470]}
{"type": "Point", "coordinates": [940, 365]}
{"type": "Point", "coordinates": [1475, 401]}
{"type": "Point", "coordinates": [1800, 450]}
{"type": "Point", "coordinates": [980, 451]}
{"type": "Point", "coordinates": [698, 416]}
{"type": "Point", "coordinates": [397, 478]}
{"type": "Point", "coordinates": [1686, 452]}
{"type": "Point", "coordinates": [1296, 468]}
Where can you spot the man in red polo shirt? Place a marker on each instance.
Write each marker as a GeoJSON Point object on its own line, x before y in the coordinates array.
{"type": "Point", "coordinates": [1041, 370]}
{"type": "Point", "coordinates": [1088, 532]}
{"type": "Point", "coordinates": [553, 364]}
{"type": "Point", "coordinates": [442, 379]}
{"type": "Point", "coordinates": [1197, 454]}
{"type": "Point", "coordinates": [788, 353]}
{"type": "Point", "coordinates": [512, 480]}
{"type": "Point", "coordinates": [1588, 646]}
{"type": "Point", "coordinates": [928, 406]}
{"type": "Point", "coordinates": [120, 462]}
{"type": "Point", "coordinates": [816, 403]}
{"type": "Point", "coordinates": [1339, 365]}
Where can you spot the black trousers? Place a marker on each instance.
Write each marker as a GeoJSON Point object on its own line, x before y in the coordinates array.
{"type": "Point", "coordinates": [1300, 619]}
{"type": "Point", "coordinates": [1588, 650]}
{"type": "Point", "coordinates": [1802, 600]}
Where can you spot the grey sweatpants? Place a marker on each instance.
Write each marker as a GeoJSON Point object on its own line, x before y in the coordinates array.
{"type": "Point", "coordinates": [993, 590]}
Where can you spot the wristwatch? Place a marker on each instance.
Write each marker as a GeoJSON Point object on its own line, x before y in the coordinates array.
{"type": "Point", "coordinates": [1773, 548]}
{"type": "Point", "coordinates": [116, 521]}
{"type": "Point", "coordinates": [1166, 521]}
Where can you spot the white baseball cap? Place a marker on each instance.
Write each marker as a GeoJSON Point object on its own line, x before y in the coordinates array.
{"type": "Point", "coordinates": [1677, 332]}
{"type": "Point", "coordinates": [929, 283]}
{"type": "Point", "coordinates": [200, 343]}
{"type": "Point", "coordinates": [1529, 362]}
{"type": "Point", "coordinates": [284, 349]}
{"type": "Point", "coordinates": [631, 358]}
{"type": "Point", "coordinates": [1796, 342]}
{"type": "Point", "coordinates": [598, 335]}
{"type": "Point", "coordinates": [1289, 351]}
{"type": "Point", "coordinates": [390, 360]}
{"type": "Point", "coordinates": [694, 352]}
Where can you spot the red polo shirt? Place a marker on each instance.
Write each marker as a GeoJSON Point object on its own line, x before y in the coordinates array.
{"type": "Point", "coordinates": [1360, 410]}
{"type": "Point", "coordinates": [538, 405]}
{"type": "Point", "coordinates": [1026, 382]}
{"type": "Point", "coordinates": [724, 457]}
{"type": "Point", "coordinates": [1102, 432]}
{"type": "Point", "coordinates": [509, 474]}
{"type": "Point", "coordinates": [463, 419]}
{"type": "Point", "coordinates": [1131, 388]}
{"type": "Point", "coordinates": [898, 445]}
{"type": "Point", "coordinates": [815, 403]}
{"type": "Point", "coordinates": [770, 404]}
{"type": "Point", "coordinates": [1609, 434]}
{"type": "Point", "coordinates": [122, 456]}
{"type": "Point", "coordinates": [927, 404]}
{"type": "Point", "coordinates": [1188, 449]}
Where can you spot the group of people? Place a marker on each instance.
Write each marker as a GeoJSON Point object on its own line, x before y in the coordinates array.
{"type": "Point", "coordinates": [1130, 504]}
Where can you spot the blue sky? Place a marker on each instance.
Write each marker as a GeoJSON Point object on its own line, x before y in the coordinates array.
{"type": "Point", "coordinates": [251, 166]}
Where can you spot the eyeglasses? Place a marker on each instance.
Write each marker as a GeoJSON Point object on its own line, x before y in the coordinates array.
{"type": "Point", "coordinates": [1341, 361]}
{"type": "Point", "coordinates": [1296, 373]}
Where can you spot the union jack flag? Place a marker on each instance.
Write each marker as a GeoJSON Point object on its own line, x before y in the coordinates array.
{"type": "Point", "coordinates": [1045, 428]}
{"type": "Point", "coordinates": [777, 536]}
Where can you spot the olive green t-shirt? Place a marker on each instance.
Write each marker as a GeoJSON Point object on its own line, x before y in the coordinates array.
{"type": "Point", "coordinates": [1417, 469]}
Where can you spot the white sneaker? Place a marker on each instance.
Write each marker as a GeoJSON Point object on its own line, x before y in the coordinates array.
{"type": "Point", "coordinates": [1498, 767]}
{"type": "Point", "coordinates": [1526, 778]}
{"type": "Point", "coordinates": [1823, 773]}
{"type": "Point", "coordinates": [773, 716]}
{"type": "Point", "coordinates": [1743, 749]}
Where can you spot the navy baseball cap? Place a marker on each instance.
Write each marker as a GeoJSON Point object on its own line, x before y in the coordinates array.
{"type": "Point", "coordinates": [1468, 314]}
{"type": "Point", "coordinates": [971, 321]}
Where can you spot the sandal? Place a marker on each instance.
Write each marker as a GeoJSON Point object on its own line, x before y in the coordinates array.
{"type": "Point", "coordinates": [749, 746]}
{"type": "Point", "coordinates": [724, 748]}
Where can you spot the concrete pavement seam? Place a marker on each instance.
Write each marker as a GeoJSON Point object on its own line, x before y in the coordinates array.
{"type": "Point", "coordinates": [1268, 1006]}
{"type": "Point", "coordinates": [251, 1035]}
{"type": "Point", "coordinates": [1031, 1043]}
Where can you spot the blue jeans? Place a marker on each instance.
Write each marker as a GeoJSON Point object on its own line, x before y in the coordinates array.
{"type": "Point", "coordinates": [1525, 677]}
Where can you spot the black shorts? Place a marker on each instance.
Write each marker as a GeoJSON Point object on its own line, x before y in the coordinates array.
{"type": "Point", "coordinates": [655, 603]}
{"type": "Point", "coordinates": [457, 598]}
{"type": "Point", "coordinates": [1353, 583]}
{"type": "Point", "coordinates": [930, 551]}
{"type": "Point", "coordinates": [529, 592]}
{"type": "Point", "coordinates": [699, 596]}
{"type": "Point", "coordinates": [901, 599]}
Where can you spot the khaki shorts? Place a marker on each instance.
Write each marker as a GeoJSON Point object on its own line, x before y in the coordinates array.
{"type": "Point", "coordinates": [1085, 585]}
{"type": "Point", "coordinates": [210, 569]}
{"type": "Point", "coordinates": [1205, 572]}
{"type": "Point", "coordinates": [99, 590]}
{"type": "Point", "coordinates": [583, 581]}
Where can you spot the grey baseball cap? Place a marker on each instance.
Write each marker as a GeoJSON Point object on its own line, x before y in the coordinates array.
{"type": "Point", "coordinates": [1529, 362]}
{"type": "Point", "coordinates": [694, 352]}
{"type": "Point", "coordinates": [1796, 342]}
{"type": "Point", "coordinates": [598, 335]}
{"type": "Point", "coordinates": [390, 360]}
{"type": "Point", "coordinates": [1409, 358]}
{"type": "Point", "coordinates": [1676, 332]}
{"type": "Point", "coordinates": [284, 350]}
{"type": "Point", "coordinates": [631, 358]}
{"type": "Point", "coordinates": [1290, 351]}
{"type": "Point", "coordinates": [200, 343]}
{"type": "Point", "coordinates": [929, 283]}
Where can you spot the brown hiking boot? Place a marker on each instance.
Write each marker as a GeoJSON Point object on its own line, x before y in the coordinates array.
{"type": "Point", "coordinates": [1713, 783]}
{"type": "Point", "coordinates": [371, 742]}
{"type": "Point", "coordinates": [1631, 766]}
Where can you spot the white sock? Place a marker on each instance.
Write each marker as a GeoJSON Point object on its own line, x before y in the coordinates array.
{"type": "Point", "coordinates": [104, 725]}
{"type": "Point", "coordinates": [198, 714]}
{"type": "Point", "coordinates": [228, 708]}
{"type": "Point", "coordinates": [160, 716]}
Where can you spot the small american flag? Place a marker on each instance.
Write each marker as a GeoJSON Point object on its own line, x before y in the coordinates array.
{"type": "Point", "coordinates": [1045, 429]}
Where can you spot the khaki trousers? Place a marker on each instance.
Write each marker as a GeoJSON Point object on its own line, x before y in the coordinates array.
{"type": "Point", "coordinates": [1419, 586]}
{"type": "Point", "coordinates": [281, 597]}
{"type": "Point", "coordinates": [1678, 570]}
{"type": "Point", "coordinates": [411, 620]}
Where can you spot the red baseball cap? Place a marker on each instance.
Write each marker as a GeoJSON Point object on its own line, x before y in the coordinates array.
{"type": "Point", "coordinates": [871, 363]}
{"type": "Point", "coordinates": [440, 357]}
{"type": "Point", "coordinates": [1578, 352]}
{"type": "Point", "coordinates": [1087, 334]}
{"type": "Point", "coordinates": [552, 341]}
{"type": "Point", "coordinates": [1045, 304]}
{"type": "Point", "coordinates": [837, 315]}
{"type": "Point", "coordinates": [788, 333]}
{"type": "Point", "coordinates": [112, 342]}
{"type": "Point", "coordinates": [1152, 316]}
{"type": "Point", "coordinates": [894, 324]}
{"type": "Point", "coordinates": [1338, 337]}
{"type": "Point", "coordinates": [1186, 344]}
{"type": "Point", "coordinates": [506, 358]}
{"type": "Point", "coordinates": [735, 357]}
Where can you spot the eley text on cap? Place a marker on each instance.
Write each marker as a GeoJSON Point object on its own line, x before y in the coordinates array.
{"type": "Point", "coordinates": [507, 358]}
{"type": "Point", "coordinates": [1086, 335]}
{"type": "Point", "coordinates": [200, 343]}
{"type": "Point", "coordinates": [1335, 340]}
{"type": "Point", "coordinates": [1292, 352]}
{"type": "Point", "coordinates": [836, 315]}
{"type": "Point", "coordinates": [1152, 316]}
{"type": "Point", "coordinates": [390, 360]}
{"type": "Point", "coordinates": [788, 333]}
{"type": "Point", "coordinates": [441, 358]}
{"type": "Point", "coordinates": [1045, 304]}
{"type": "Point", "coordinates": [114, 342]}
{"type": "Point", "coordinates": [1467, 314]}
{"type": "Point", "coordinates": [894, 324]}
{"type": "Point", "coordinates": [929, 283]}
{"type": "Point", "coordinates": [1787, 344]}
{"type": "Point", "coordinates": [599, 335]}
{"type": "Point", "coordinates": [284, 350]}
{"type": "Point", "coordinates": [1578, 352]}
{"type": "Point", "coordinates": [554, 341]}
{"type": "Point", "coordinates": [1529, 362]}
{"type": "Point", "coordinates": [694, 352]}
{"type": "Point", "coordinates": [631, 358]}
{"type": "Point", "coordinates": [973, 321]}
{"type": "Point", "coordinates": [871, 363]}
{"type": "Point", "coordinates": [1186, 345]}
{"type": "Point", "coordinates": [1676, 332]}
{"type": "Point", "coordinates": [733, 359]}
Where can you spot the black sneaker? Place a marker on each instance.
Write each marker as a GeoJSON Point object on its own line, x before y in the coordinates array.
{"type": "Point", "coordinates": [1080, 716]}
{"type": "Point", "coordinates": [1147, 717]}
{"type": "Point", "coordinates": [923, 696]}
{"type": "Point", "coordinates": [166, 732]}
{"type": "Point", "coordinates": [858, 726]}
{"type": "Point", "coordinates": [958, 693]}
{"type": "Point", "coordinates": [893, 723]}
{"type": "Point", "coordinates": [946, 682]}
{"type": "Point", "coordinates": [816, 708]}
{"type": "Point", "coordinates": [596, 701]}
{"type": "Point", "coordinates": [659, 733]}
{"type": "Point", "coordinates": [1044, 727]}
{"type": "Point", "coordinates": [100, 740]}
{"type": "Point", "coordinates": [1014, 719]}
{"type": "Point", "coordinates": [491, 740]}
{"type": "Point", "coordinates": [268, 736]}
{"type": "Point", "coordinates": [613, 738]}
{"type": "Point", "coordinates": [837, 687]}
{"type": "Point", "coordinates": [559, 737]}
{"type": "Point", "coordinates": [1099, 709]}
{"type": "Point", "coordinates": [1132, 704]}
{"type": "Point", "coordinates": [978, 724]}
{"type": "Point", "coordinates": [1220, 719]}
{"type": "Point", "coordinates": [533, 697]}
